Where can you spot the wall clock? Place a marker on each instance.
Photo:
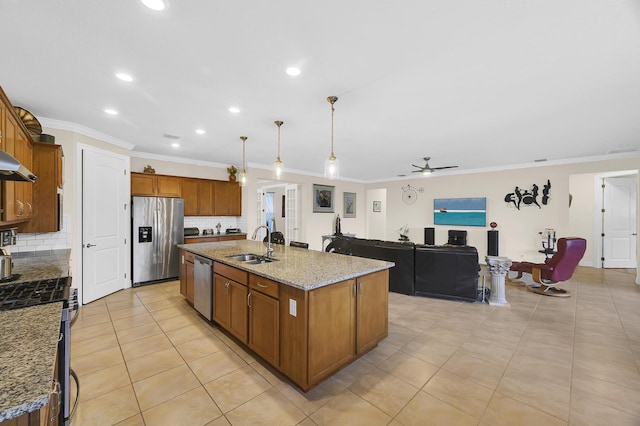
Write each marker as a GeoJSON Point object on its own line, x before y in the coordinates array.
{"type": "Point", "coordinates": [410, 194]}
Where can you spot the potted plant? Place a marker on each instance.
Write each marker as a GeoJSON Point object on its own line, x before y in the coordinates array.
{"type": "Point", "coordinates": [232, 170]}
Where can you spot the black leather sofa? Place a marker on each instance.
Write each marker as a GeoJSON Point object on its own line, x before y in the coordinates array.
{"type": "Point", "coordinates": [437, 271]}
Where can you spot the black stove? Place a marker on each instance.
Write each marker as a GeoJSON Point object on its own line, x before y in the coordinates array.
{"type": "Point", "coordinates": [32, 293]}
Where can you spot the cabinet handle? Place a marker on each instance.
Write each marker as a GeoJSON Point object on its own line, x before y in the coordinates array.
{"type": "Point", "coordinates": [54, 401]}
{"type": "Point", "coordinates": [354, 290]}
{"type": "Point", "coordinates": [21, 211]}
{"type": "Point", "coordinates": [226, 287]}
{"type": "Point", "coordinates": [249, 299]}
{"type": "Point", "coordinates": [30, 208]}
{"type": "Point", "coordinates": [360, 288]}
{"type": "Point", "coordinates": [261, 285]}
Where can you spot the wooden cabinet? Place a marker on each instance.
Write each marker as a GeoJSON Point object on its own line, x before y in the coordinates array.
{"type": "Point", "coordinates": [332, 331]}
{"type": "Point", "coordinates": [371, 310]}
{"type": "Point", "coordinates": [47, 165]}
{"type": "Point", "coordinates": [186, 275]}
{"type": "Point", "coordinates": [198, 197]}
{"type": "Point", "coordinates": [332, 326]}
{"type": "Point", "coordinates": [152, 185]}
{"type": "Point", "coordinates": [264, 319]}
{"type": "Point", "coordinates": [228, 198]}
{"type": "Point", "coordinates": [17, 197]}
{"type": "Point", "coordinates": [230, 298]}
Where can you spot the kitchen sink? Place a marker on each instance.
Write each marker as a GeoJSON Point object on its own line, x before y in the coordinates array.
{"type": "Point", "coordinates": [250, 258]}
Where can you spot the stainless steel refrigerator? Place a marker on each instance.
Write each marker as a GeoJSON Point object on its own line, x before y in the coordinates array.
{"type": "Point", "coordinates": [158, 228]}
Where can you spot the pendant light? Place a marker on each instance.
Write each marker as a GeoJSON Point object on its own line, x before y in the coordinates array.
{"type": "Point", "coordinates": [278, 162]}
{"type": "Point", "coordinates": [243, 174]}
{"type": "Point", "coordinates": [331, 164]}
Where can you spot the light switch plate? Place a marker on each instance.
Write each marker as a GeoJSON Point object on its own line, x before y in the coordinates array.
{"type": "Point", "coordinates": [293, 308]}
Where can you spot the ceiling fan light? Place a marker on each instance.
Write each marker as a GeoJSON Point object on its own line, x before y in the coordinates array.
{"type": "Point", "coordinates": [426, 172]}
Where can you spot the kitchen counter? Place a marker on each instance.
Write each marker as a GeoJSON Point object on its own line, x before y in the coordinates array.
{"type": "Point", "coordinates": [30, 337]}
{"type": "Point", "coordinates": [28, 357]}
{"type": "Point", "coordinates": [300, 268]}
{"type": "Point", "coordinates": [40, 265]}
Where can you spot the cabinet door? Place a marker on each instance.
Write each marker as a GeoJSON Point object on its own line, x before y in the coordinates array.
{"type": "Point", "coordinates": [331, 328]}
{"type": "Point", "coordinates": [238, 322]}
{"type": "Point", "coordinates": [9, 205]}
{"type": "Point", "coordinates": [24, 190]}
{"type": "Point", "coordinates": [220, 194]}
{"type": "Point", "coordinates": [264, 327]}
{"type": "Point", "coordinates": [234, 199]}
{"type": "Point", "coordinates": [183, 275]}
{"type": "Point", "coordinates": [190, 196]}
{"type": "Point", "coordinates": [221, 306]}
{"type": "Point", "coordinates": [205, 198]}
{"type": "Point", "coordinates": [143, 184]}
{"type": "Point", "coordinates": [372, 310]}
{"type": "Point", "coordinates": [168, 186]}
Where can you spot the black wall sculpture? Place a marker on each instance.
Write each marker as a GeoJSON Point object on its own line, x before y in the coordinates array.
{"type": "Point", "coordinates": [528, 197]}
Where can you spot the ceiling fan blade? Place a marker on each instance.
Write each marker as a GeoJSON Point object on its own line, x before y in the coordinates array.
{"type": "Point", "coordinates": [445, 167]}
{"type": "Point", "coordinates": [416, 171]}
{"type": "Point", "coordinates": [417, 167]}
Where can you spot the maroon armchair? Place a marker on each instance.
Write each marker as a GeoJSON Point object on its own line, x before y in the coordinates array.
{"type": "Point", "coordinates": [558, 268]}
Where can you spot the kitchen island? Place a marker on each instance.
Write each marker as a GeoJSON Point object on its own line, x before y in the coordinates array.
{"type": "Point", "coordinates": [308, 313]}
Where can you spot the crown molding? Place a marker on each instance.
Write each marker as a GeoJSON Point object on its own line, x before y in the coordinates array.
{"type": "Point", "coordinates": [86, 131]}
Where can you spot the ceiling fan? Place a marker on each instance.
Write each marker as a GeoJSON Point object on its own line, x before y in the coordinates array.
{"type": "Point", "coordinates": [426, 169]}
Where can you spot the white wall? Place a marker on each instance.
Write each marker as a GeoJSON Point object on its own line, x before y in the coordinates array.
{"type": "Point", "coordinates": [377, 221]}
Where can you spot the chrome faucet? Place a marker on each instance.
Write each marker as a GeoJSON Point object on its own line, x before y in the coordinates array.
{"type": "Point", "coordinates": [269, 248]}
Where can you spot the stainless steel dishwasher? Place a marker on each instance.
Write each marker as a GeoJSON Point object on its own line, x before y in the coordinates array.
{"type": "Point", "coordinates": [203, 286]}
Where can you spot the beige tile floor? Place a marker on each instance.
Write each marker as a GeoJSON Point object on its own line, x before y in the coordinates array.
{"type": "Point", "coordinates": [144, 357]}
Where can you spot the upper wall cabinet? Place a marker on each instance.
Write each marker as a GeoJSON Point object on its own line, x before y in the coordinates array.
{"type": "Point", "coordinates": [152, 185]}
{"type": "Point", "coordinates": [228, 198]}
{"type": "Point", "coordinates": [17, 197]}
{"type": "Point", "coordinates": [47, 165]}
{"type": "Point", "coordinates": [198, 197]}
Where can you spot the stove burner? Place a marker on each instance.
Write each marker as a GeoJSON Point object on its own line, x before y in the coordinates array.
{"type": "Point", "coordinates": [21, 295]}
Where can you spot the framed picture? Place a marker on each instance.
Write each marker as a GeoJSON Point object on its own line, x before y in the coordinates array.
{"type": "Point", "coordinates": [460, 211]}
{"type": "Point", "coordinates": [377, 206]}
{"type": "Point", "coordinates": [349, 199]}
{"type": "Point", "coordinates": [323, 199]}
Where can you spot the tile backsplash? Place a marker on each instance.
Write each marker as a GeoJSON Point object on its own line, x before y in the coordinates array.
{"type": "Point", "coordinates": [210, 222]}
{"type": "Point", "coordinates": [45, 240]}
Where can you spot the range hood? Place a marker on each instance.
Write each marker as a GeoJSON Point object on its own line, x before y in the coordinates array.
{"type": "Point", "coordinates": [11, 169]}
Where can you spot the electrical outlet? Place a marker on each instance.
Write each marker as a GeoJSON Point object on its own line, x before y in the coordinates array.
{"type": "Point", "coordinates": [293, 307]}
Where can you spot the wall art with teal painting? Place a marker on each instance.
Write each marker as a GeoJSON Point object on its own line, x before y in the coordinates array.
{"type": "Point", "coordinates": [460, 211]}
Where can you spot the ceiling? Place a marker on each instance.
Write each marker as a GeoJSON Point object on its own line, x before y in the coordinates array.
{"type": "Point", "coordinates": [478, 84]}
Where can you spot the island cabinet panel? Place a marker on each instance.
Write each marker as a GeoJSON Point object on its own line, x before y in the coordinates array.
{"type": "Point", "coordinates": [230, 301]}
{"type": "Point", "coordinates": [187, 260]}
{"type": "Point", "coordinates": [372, 310]}
{"type": "Point", "coordinates": [152, 185]}
{"type": "Point", "coordinates": [264, 319]}
{"type": "Point", "coordinates": [293, 334]}
{"type": "Point", "coordinates": [198, 197]}
{"type": "Point", "coordinates": [332, 329]}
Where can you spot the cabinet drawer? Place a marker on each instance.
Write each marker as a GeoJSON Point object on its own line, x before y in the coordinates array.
{"type": "Point", "coordinates": [264, 285]}
{"type": "Point", "coordinates": [197, 240]}
{"type": "Point", "coordinates": [230, 272]}
{"type": "Point", "coordinates": [189, 257]}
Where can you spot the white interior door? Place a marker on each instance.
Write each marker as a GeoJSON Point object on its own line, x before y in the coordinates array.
{"type": "Point", "coordinates": [292, 213]}
{"type": "Point", "coordinates": [105, 223]}
{"type": "Point", "coordinates": [619, 222]}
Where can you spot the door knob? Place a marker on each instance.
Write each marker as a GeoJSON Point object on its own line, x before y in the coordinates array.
{"type": "Point", "coordinates": [90, 245]}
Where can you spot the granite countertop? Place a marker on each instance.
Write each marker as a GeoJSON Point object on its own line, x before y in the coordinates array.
{"type": "Point", "coordinates": [35, 266]}
{"type": "Point", "coordinates": [300, 268]}
{"type": "Point", "coordinates": [27, 358]}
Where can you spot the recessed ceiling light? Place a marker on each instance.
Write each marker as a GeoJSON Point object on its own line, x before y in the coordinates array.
{"type": "Point", "coordinates": [234, 110]}
{"type": "Point", "coordinates": [175, 145]}
{"type": "Point", "coordinates": [154, 4]}
{"type": "Point", "coordinates": [293, 71]}
{"type": "Point", "coordinates": [124, 77]}
{"type": "Point", "coordinates": [111, 111]}
{"type": "Point", "coordinates": [200, 131]}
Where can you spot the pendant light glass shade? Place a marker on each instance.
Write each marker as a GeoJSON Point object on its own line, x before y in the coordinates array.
{"type": "Point", "coordinates": [278, 163]}
{"type": "Point", "coordinates": [331, 164]}
{"type": "Point", "coordinates": [243, 173]}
